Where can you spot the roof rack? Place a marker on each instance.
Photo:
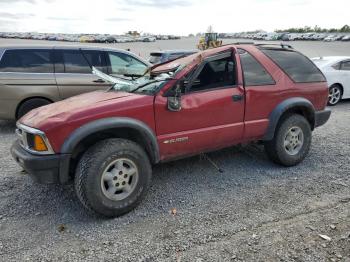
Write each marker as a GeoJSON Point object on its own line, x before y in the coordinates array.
{"type": "Point", "coordinates": [281, 45]}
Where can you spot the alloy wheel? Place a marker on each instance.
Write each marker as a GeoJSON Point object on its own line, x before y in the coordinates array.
{"type": "Point", "coordinates": [119, 179]}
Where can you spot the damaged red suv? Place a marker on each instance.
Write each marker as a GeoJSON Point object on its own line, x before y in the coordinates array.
{"type": "Point", "coordinates": [107, 141]}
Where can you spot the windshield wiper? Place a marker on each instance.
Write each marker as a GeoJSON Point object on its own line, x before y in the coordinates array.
{"type": "Point", "coordinates": [152, 82]}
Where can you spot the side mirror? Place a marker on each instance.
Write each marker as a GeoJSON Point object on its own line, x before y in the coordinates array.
{"type": "Point", "coordinates": [174, 100]}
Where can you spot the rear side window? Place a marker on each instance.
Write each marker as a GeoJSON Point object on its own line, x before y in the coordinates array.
{"type": "Point", "coordinates": [298, 67]}
{"type": "Point", "coordinates": [345, 66]}
{"type": "Point", "coordinates": [27, 61]}
{"type": "Point", "coordinates": [75, 62]}
{"type": "Point", "coordinates": [254, 73]}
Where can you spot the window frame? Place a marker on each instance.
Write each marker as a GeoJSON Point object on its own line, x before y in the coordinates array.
{"type": "Point", "coordinates": [199, 69]}
{"type": "Point", "coordinates": [244, 83]}
{"type": "Point", "coordinates": [51, 56]}
{"type": "Point", "coordinates": [285, 50]}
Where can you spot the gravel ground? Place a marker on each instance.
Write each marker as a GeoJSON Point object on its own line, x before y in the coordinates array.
{"type": "Point", "coordinates": [254, 211]}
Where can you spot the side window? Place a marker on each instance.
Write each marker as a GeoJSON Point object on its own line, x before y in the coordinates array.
{"type": "Point", "coordinates": [121, 64]}
{"type": "Point", "coordinates": [254, 73]}
{"type": "Point", "coordinates": [217, 73]}
{"type": "Point", "coordinates": [27, 61]}
{"type": "Point", "coordinates": [298, 67]}
{"type": "Point", "coordinates": [345, 66]}
{"type": "Point", "coordinates": [75, 62]}
{"type": "Point", "coordinates": [336, 66]}
{"type": "Point", "coordinates": [95, 58]}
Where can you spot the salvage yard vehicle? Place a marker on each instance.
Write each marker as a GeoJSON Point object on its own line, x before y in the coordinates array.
{"type": "Point", "coordinates": [337, 72]}
{"type": "Point", "coordinates": [31, 77]}
{"type": "Point", "coordinates": [107, 141]}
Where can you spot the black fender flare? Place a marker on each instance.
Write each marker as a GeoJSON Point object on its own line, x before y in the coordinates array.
{"type": "Point", "coordinates": [281, 108]}
{"type": "Point", "coordinates": [99, 125]}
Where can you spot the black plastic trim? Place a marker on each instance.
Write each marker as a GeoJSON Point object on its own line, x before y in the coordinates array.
{"type": "Point", "coordinates": [104, 124]}
{"type": "Point", "coordinates": [321, 117]}
{"type": "Point", "coordinates": [296, 102]}
{"type": "Point", "coordinates": [43, 169]}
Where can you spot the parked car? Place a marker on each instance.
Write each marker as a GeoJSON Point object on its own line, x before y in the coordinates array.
{"type": "Point", "coordinates": [107, 141]}
{"type": "Point", "coordinates": [337, 71]}
{"type": "Point", "coordinates": [346, 38]}
{"type": "Point", "coordinates": [159, 57]}
{"type": "Point", "coordinates": [330, 38]}
{"type": "Point", "coordinates": [35, 76]}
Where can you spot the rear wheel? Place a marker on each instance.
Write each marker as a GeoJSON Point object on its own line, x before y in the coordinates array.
{"type": "Point", "coordinates": [335, 94]}
{"type": "Point", "coordinates": [291, 142]}
{"type": "Point", "coordinates": [31, 104]}
{"type": "Point", "coordinates": [112, 177]}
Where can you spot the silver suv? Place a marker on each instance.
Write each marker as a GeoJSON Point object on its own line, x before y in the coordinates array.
{"type": "Point", "coordinates": [35, 76]}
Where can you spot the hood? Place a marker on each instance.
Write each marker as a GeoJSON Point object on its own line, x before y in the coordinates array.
{"type": "Point", "coordinates": [63, 110]}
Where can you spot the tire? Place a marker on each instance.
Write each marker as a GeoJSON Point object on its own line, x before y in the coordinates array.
{"type": "Point", "coordinates": [296, 147]}
{"type": "Point", "coordinates": [334, 95]}
{"type": "Point", "coordinates": [31, 104]}
{"type": "Point", "coordinates": [94, 167]}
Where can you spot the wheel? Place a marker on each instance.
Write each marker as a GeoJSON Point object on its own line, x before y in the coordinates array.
{"type": "Point", "coordinates": [112, 177]}
{"type": "Point", "coordinates": [334, 96]}
{"type": "Point", "coordinates": [291, 142]}
{"type": "Point", "coordinates": [31, 104]}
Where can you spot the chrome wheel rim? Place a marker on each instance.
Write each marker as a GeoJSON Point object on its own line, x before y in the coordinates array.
{"type": "Point", "coordinates": [294, 140]}
{"type": "Point", "coordinates": [119, 179]}
{"type": "Point", "coordinates": [334, 95]}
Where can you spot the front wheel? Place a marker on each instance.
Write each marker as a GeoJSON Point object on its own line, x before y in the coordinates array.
{"type": "Point", "coordinates": [112, 177]}
{"type": "Point", "coordinates": [291, 142]}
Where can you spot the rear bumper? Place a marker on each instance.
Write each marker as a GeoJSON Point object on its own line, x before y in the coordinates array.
{"type": "Point", "coordinates": [321, 117]}
{"type": "Point", "coordinates": [44, 169]}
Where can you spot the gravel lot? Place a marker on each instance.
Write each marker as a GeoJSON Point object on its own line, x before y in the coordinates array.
{"type": "Point", "coordinates": [254, 211]}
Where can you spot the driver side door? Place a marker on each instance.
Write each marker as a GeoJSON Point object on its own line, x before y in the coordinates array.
{"type": "Point", "coordinates": [212, 111]}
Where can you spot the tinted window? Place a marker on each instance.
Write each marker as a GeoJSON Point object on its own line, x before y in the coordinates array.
{"type": "Point", "coordinates": [254, 73]}
{"type": "Point", "coordinates": [29, 61]}
{"type": "Point", "coordinates": [121, 64]}
{"type": "Point", "coordinates": [345, 66]}
{"type": "Point", "coordinates": [75, 62]}
{"type": "Point", "coordinates": [94, 58]}
{"type": "Point", "coordinates": [217, 73]}
{"type": "Point", "coordinates": [336, 66]}
{"type": "Point", "coordinates": [299, 68]}
{"type": "Point", "coordinates": [155, 58]}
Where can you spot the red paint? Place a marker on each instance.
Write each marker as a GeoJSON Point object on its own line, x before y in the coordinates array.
{"type": "Point", "coordinates": [208, 119]}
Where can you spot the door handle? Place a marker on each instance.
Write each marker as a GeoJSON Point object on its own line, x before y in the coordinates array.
{"type": "Point", "coordinates": [237, 98]}
{"type": "Point", "coordinates": [98, 81]}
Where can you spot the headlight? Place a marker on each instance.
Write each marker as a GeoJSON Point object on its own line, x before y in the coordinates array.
{"type": "Point", "coordinates": [33, 140]}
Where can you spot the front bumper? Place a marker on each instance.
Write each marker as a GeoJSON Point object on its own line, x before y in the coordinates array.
{"type": "Point", "coordinates": [321, 117]}
{"type": "Point", "coordinates": [44, 169]}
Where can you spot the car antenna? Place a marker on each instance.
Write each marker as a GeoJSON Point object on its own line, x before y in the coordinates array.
{"type": "Point", "coordinates": [205, 156]}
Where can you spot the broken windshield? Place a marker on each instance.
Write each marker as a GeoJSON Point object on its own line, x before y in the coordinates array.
{"type": "Point", "coordinates": [148, 83]}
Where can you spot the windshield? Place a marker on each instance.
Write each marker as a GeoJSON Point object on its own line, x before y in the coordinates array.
{"type": "Point", "coordinates": [145, 84]}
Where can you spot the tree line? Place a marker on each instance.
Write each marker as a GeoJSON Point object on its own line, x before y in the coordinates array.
{"type": "Point", "coordinates": [317, 29]}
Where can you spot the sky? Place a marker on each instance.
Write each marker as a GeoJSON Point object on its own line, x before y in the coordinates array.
{"type": "Point", "coordinates": [179, 17]}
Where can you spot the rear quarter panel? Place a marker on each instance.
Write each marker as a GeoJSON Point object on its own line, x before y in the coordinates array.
{"type": "Point", "coordinates": [262, 100]}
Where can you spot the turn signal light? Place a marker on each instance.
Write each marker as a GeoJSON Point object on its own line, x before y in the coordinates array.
{"type": "Point", "coordinates": [39, 144]}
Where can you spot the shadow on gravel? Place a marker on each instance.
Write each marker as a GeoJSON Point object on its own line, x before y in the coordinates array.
{"type": "Point", "coordinates": [7, 127]}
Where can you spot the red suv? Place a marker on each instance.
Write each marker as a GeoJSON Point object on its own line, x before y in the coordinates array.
{"type": "Point", "coordinates": [107, 141]}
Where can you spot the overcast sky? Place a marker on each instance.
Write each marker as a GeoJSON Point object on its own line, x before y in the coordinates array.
{"type": "Point", "coordinates": [179, 17]}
